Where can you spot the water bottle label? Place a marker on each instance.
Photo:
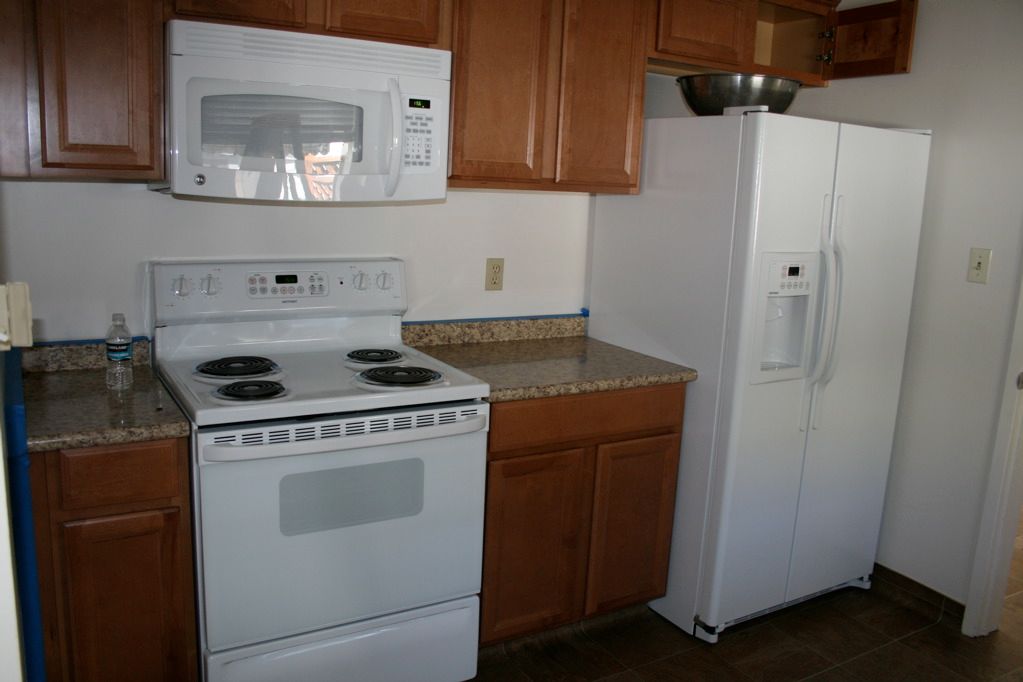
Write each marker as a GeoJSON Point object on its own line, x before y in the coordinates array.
{"type": "Point", "coordinates": [119, 351]}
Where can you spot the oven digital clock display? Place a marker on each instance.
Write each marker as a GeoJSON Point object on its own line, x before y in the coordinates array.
{"type": "Point", "coordinates": [286, 279]}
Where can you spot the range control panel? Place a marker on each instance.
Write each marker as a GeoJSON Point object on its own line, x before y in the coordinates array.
{"type": "Point", "coordinates": [187, 290]}
{"type": "Point", "coordinates": [417, 142]}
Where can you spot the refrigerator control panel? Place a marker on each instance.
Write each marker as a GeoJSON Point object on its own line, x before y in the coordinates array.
{"type": "Point", "coordinates": [789, 278]}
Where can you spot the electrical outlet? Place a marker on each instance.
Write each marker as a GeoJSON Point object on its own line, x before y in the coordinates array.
{"type": "Point", "coordinates": [494, 280]}
{"type": "Point", "coordinates": [980, 261]}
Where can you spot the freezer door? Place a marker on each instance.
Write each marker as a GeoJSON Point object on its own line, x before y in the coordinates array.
{"type": "Point", "coordinates": [879, 190]}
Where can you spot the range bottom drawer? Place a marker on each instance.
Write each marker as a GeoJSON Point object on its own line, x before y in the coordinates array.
{"type": "Point", "coordinates": [423, 645]}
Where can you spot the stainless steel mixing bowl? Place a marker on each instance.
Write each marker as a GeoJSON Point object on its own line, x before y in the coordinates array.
{"type": "Point", "coordinates": [707, 94]}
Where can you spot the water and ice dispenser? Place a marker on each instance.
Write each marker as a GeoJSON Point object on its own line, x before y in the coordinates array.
{"type": "Point", "coordinates": [786, 307]}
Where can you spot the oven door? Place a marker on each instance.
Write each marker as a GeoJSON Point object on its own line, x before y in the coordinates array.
{"type": "Point", "coordinates": [304, 527]}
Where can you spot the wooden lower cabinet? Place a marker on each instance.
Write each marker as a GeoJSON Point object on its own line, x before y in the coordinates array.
{"type": "Point", "coordinates": [115, 562]}
{"type": "Point", "coordinates": [580, 501]}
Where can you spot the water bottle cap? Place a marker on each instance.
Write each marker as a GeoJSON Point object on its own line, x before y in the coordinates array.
{"type": "Point", "coordinates": [118, 318]}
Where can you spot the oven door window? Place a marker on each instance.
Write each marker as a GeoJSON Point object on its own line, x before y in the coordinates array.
{"type": "Point", "coordinates": [350, 496]}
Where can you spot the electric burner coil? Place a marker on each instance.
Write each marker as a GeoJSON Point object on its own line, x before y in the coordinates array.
{"type": "Point", "coordinates": [400, 376]}
{"type": "Point", "coordinates": [251, 390]}
{"type": "Point", "coordinates": [375, 355]}
{"type": "Point", "coordinates": [237, 366]}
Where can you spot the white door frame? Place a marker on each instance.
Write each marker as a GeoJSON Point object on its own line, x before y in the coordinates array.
{"type": "Point", "coordinates": [1003, 498]}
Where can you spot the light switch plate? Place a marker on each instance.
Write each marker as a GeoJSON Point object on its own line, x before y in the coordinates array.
{"type": "Point", "coordinates": [980, 261]}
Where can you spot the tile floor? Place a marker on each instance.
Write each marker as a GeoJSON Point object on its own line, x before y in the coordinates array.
{"type": "Point", "coordinates": [886, 633]}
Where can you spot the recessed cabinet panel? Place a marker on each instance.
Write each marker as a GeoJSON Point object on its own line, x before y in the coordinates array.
{"type": "Point", "coordinates": [538, 519]}
{"type": "Point", "coordinates": [633, 504]}
{"type": "Point", "coordinates": [411, 20]}
{"type": "Point", "coordinates": [503, 112]}
{"type": "Point", "coordinates": [272, 12]}
{"type": "Point", "coordinates": [602, 77]}
{"type": "Point", "coordinates": [874, 40]}
{"type": "Point", "coordinates": [100, 75]}
{"type": "Point", "coordinates": [15, 28]}
{"type": "Point", "coordinates": [713, 30]}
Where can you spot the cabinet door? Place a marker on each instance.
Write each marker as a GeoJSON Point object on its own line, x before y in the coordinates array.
{"type": "Point", "coordinates": [100, 84]}
{"type": "Point", "coordinates": [874, 40]}
{"type": "Point", "coordinates": [15, 27]}
{"type": "Point", "coordinates": [125, 595]}
{"type": "Point", "coordinates": [535, 543]}
{"type": "Point", "coordinates": [719, 31]}
{"type": "Point", "coordinates": [504, 89]}
{"type": "Point", "coordinates": [634, 500]}
{"type": "Point", "coordinates": [603, 70]}
{"type": "Point", "coordinates": [413, 20]}
{"type": "Point", "coordinates": [272, 12]}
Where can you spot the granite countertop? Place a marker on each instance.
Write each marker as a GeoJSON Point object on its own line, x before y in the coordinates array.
{"type": "Point", "coordinates": [541, 368]}
{"type": "Point", "coordinates": [72, 409]}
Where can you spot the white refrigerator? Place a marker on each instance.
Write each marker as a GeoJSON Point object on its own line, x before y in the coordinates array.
{"type": "Point", "coordinates": [775, 255]}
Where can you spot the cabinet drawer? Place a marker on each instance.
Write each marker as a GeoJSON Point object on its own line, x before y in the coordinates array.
{"type": "Point", "coordinates": [118, 474]}
{"type": "Point", "coordinates": [520, 424]}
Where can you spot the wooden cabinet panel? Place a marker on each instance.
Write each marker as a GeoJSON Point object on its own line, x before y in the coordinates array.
{"type": "Point", "coordinates": [15, 27]}
{"type": "Point", "coordinates": [719, 31]}
{"type": "Point", "coordinates": [603, 69]}
{"type": "Point", "coordinates": [411, 20]}
{"type": "Point", "coordinates": [115, 581]}
{"type": "Point", "coordinates": [523, 424]}
{"type": "Point", "coordinates": [633, 507]}
{"type": "Point", "coordinates": [875, 40]}
{"type": "Point", "coordinates": [100, 85]}
{"type": "Point", "coordinates": [91, 477]}
{"type": "Point", "coordinates": [504, 110]}
{"type": "Point", "coordinates": [535, 544]}
{"type": "Point", "coordinates": [579, 511]}
{"type": "Point", "coordinates": [272, 12]}
{"type": "Point", "coordinates": [124, 599]}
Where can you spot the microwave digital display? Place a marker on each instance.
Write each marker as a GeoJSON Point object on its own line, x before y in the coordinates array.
{"type": "Point", "coordinates": [419, 104]}
{"type": "Point", "coordinates": [286, 279]}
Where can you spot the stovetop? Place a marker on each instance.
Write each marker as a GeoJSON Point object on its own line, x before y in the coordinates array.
{"type": "Point", "coordinates": [314, 382]}
{"type": "Point", "coordinates": [299, 346]}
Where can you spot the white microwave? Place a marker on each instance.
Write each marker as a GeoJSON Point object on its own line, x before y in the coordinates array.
{"type": "Point", "coordinates": [266, 115]}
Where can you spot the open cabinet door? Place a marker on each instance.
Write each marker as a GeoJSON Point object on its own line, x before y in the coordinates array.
{"type": "Point", "coordinates": [874, 40]}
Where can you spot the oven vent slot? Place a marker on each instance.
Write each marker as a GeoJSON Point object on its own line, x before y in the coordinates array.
{"type": "Point", "coordinates": [343, 428]}
{"type": "Point", "coordinates": [330, 431]}
{"type": "Point", "coordinates": [278, 436]}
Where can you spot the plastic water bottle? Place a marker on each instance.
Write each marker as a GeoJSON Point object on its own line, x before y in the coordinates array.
{"type": "Point", "coordinates": [119, 351]}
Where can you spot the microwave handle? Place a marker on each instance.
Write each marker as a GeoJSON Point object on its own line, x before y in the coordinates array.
{"type": "Point", "coordinates": [397, 138]}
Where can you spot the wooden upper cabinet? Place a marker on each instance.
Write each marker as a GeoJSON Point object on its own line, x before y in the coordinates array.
{"type": "Point", "coordinates": [505, 67]}
{"type": "Point", "coordinates": [548, 96]}
{"type": "Point", "coordinates": [603, 67]}
{"type": "Point", "coordinates": [717, 31]}
{"type": "Point", "coordinates": [875, 40]}
{"type": "Point", "coordinates": [100, 87]}
{"type": "Point", "coordinates": [15, 30]}
{"type": "Point", "coordinates": [271, 12]}
{"type": "Point", "coordinates": [410, 20]}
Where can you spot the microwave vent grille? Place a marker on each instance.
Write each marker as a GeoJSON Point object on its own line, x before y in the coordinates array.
{"type": "Point", "coordinates": [298, 49]}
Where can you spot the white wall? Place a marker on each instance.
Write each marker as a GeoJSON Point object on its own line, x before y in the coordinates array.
{"type": "Point", "coordinates": [966, 85]}
{"type": "Point", "coordinates": [80, 247]}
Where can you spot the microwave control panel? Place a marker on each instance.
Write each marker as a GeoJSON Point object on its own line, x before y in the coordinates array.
{"type": "Point", "coordinates": [419, 135]}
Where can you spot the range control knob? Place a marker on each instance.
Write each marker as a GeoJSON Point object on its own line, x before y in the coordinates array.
{"type": "Point", "coordinates": [182, 287]}
{"type": "Point", "coordinates": [361, 281]}
{"type": "Point", "coordinates": [385, 281]}
{"type": "Point", "coordinates": [209, 285]}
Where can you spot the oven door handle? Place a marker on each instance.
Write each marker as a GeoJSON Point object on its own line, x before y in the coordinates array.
{"type": "Point", "coordinates": [237, 453]}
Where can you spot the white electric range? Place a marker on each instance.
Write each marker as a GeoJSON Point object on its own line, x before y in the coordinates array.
{"type": "Point", "coordinates": [338, 475]}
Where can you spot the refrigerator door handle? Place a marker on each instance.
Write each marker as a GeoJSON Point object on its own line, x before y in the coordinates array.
{"type": "Point", "coordinates": [835, 304]}
{"type": "Point", "coordinates": [818, 364]}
